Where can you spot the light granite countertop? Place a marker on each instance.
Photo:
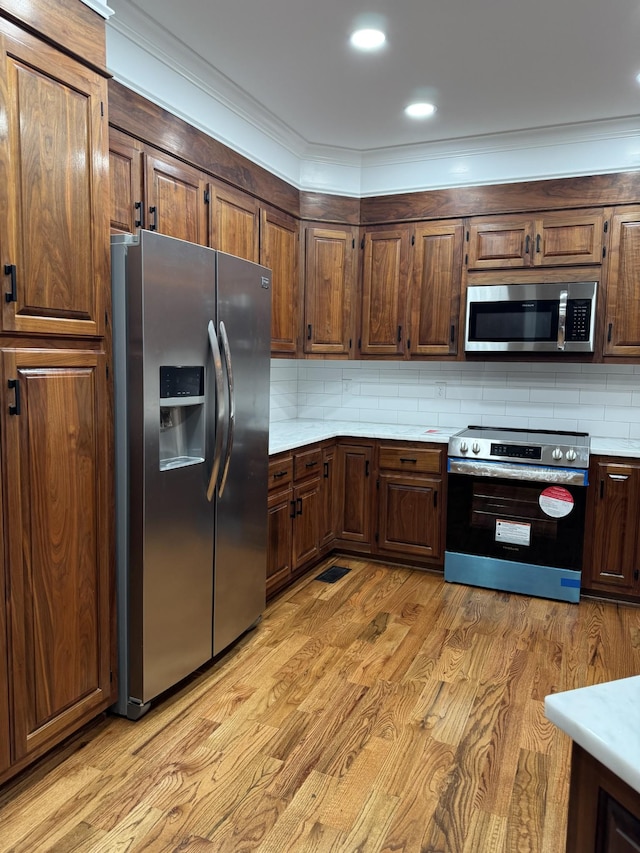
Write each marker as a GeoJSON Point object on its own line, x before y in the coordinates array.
{"type": "Point", "coordinates": [603, 720]}
{"type": "Point", "coordinates": [286, 435]}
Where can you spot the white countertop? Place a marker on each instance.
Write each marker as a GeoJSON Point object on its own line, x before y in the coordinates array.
{"type": "Point", "coordinates": [603, 720]}
{"type": "Point", "coordinates": [285, 435]}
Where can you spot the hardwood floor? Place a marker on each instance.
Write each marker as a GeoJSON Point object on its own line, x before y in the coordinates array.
{"type": "Point", "coordinates": [386, 712]}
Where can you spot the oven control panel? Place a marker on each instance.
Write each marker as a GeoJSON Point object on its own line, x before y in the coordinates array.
{"type": "Point", "coordinates": [561, 454]}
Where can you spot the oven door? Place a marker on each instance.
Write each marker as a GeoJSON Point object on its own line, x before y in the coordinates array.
{"type": "Point", "coordinates": [516, 527]}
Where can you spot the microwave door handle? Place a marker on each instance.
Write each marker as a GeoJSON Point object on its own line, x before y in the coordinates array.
{"type": "Point", "coordinates": [232, 407]}
{"type": "Point", "coordinates": [217, 367]}
{"type": "Point", "coordinates": [562, 319]}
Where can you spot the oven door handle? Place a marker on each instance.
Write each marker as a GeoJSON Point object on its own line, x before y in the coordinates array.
{"type": "Point", "coordinates": [525, 473]}
{"type": "Point", "coordinates": [562, 319]}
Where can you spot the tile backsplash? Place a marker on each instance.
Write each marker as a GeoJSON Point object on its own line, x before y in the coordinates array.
{"type": "Point", "coordinates": [603, 400]}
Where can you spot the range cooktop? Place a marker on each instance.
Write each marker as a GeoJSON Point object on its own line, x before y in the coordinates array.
{"type": "Point", "coordinates": [542, 447]}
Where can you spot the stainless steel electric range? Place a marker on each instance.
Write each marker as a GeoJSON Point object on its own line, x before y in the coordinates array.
{"type": "Point", "coordinates": [516, 509]}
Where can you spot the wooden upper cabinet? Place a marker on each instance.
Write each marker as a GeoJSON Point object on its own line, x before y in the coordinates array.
{"type": "Point", "coordinates": [385, 277]}
{"type": "Point", "coordinates": [435, 291]}
{"type": "Point", "coordinates": [556, 238]}
{"type": "Point", "coordinates": [235, 222]}
{"type": "Point", "coordinates": [175, 198]}
{"type": "Point", "coordinates": [622, 317]}
{"type": "Point", "coordinates": [280, 251]}
{"type": "Point", "coordinates": [126, 192]}
{"type": "Point", "coordinates": [330, 268]}
{"type": "Point", "coordinates": [53, 190]}
{"type": "Point", "coordinates": [613, 562]}
{"type": "Point", "coordinates": [56, 467]}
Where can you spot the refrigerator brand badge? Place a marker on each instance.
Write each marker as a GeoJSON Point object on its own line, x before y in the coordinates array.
{"type": "Point", "coordinates": [265, 282]}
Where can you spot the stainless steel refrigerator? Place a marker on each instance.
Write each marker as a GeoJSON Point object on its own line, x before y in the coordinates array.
{"type": "Point", "coordinates": [191, 340]}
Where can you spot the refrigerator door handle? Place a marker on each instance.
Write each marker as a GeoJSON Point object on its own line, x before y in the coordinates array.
{"type": "Point", "coordinates": [232, 407]}
{"type": "Point", "coordinates": [217, 366]}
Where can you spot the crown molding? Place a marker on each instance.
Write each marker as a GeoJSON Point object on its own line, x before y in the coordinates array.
{"type": "Point", "coordinates": [99, 7]}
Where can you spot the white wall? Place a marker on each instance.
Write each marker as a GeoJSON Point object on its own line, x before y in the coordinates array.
{"type": "Point", "coordinates": [603, 400]}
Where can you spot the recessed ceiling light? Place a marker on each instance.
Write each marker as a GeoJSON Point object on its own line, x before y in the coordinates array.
{"type": "Point", "coordinates": [368, 39]}
{"type": "Point", "coordinates": [420, 110]}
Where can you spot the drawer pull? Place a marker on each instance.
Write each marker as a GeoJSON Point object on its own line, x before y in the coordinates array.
{"type": "Point", "coordinates": [311, 464]}
{"type": "Point", "coordinates": [408, 459]}
{"type": "Point", "coordinates": [279, 474]}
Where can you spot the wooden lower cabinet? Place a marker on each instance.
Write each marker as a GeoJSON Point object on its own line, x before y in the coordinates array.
{"type": "Point", "coordinates": [410, 501]}
{"type": "Point", "coordinates": [604, 812]}
{"type": "Point", "coordinates": [281, 512]}
{"type": "Point", "coordinates": [306, 523]}
{"type": "Point", "coordinates": [355, 495]}
{"type": "Point", "coordinates": [329, 508]}
{"type": "Point", "coordinates": [612, 547]}
{"type": "Point", "coordinates": [59, 577]}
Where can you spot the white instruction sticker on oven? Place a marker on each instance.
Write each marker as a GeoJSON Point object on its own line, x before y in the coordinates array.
{"type": "Point", "coordinates": [513, 532]}
{"type": "Point", "coordinates": [556, 501]}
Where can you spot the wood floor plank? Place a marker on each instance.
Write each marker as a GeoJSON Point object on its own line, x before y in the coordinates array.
{"type": "Point", "coordinates": [387, 712]}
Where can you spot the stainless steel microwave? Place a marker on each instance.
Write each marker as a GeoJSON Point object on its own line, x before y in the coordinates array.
{"type": "Point", "coordinates": [546, 317]}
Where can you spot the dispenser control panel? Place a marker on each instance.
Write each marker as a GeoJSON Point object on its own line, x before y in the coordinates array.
{"type": "Point", "coordinates": [181, 382]}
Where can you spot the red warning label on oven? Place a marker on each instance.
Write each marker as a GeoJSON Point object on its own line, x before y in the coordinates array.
{"type": "Point", "coordinates": [556, 501]}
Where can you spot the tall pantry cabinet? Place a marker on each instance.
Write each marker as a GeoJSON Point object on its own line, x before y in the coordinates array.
{"type": "Point", "coordinates": [56, 496]}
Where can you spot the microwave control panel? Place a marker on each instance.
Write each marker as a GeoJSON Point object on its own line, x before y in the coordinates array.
{"type": "Point", "coordinates": [578, 320]}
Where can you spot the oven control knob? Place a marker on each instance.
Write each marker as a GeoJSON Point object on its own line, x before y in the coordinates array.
{"type": "Point", "coordinates": [571, 455]}
{"type": "Point", "coordinates": [556, 454]}
{"type": "Point", "coordinates": [463, 447]}
{"type": "Point", "coordinates": [475, 447]}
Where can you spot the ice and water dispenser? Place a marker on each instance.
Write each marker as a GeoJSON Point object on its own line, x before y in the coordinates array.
{"type": "Point", "coordinates": [182, 417]}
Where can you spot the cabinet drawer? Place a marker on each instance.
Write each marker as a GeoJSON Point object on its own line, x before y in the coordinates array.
{"type": "Point", "coordinates": [307, 463]}
{"type": "Point", "coordinates": [280, 471]}
{"type": "Point", "coordinates": [410, 459]}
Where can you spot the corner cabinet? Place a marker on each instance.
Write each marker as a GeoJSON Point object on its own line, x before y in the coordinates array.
{"type": "Point", "coordinates": [622, 318]}
{"type": "Point", "coordinates": [56, 474]}
{"type": "Point", "coordinates": [330, 287]}
{"type": "Point", "coordinates": [53, 172]}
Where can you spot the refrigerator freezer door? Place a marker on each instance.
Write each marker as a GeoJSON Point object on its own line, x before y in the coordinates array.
{"type": "Point", "coordinates": [244, 309]}
{"type": "Point", "coordinates": [171, 298]}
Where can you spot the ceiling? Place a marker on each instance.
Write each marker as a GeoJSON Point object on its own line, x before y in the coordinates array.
{"type": "Point", "coordinates": [490, 66]}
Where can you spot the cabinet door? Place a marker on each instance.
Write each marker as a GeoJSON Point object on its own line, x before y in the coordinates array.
{"type": "Point", "coordinates": [53, 190]}
{"type": "Point", "coordinates": [59, 508]}
{"type": "Point", "coordinates": [328, 491]}
{"type": "Point", "coordinates": [279, 251]}
{"type": "Point", "coordinates": [623, 286]}
{"type": "Point", "coordinates": [500, 244]}
{"type": "Point", "coordinates": [235, 223]}
{"type": "Point", "coordinates": [562, 238]}
{"type": "Point", "coordinates": [409, 516]}
{"type": "Point", "coordinates": [615, 519]}
{"type": "Point", "coordinates": [329, 290]}
{"type": "Point", "coordinates": [355, 496]}
{"type": "Point", "coordinates": [306, 525]}
{"type": "Point", "coordinates": [126, 201]}
{"type": "Point", "coordinates": [5, 731]}
{"type": "Point", "coordinates": [281, 512]}
{"type": "Point", "coordinates": [175, 203]}
{"type": "Point", "coordinates": [435, 291]}
{"type": "Point", "coordinates": [384, 290]}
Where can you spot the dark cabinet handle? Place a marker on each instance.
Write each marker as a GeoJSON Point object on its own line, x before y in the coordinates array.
{"type": "Point", "coordinates": [537, 243]}
{"type": "Point", "coordinates": [14, 385]}
{"type": "Point", "coordinates": [399, 334]}
{"type": "Point", "coordinates": [326, 470]}
{"type": "Point", "coordinates": [408, 459]}
{"type": "Point", "coordinates": [139, 223]}
{"type": "Point", "coordinates": [366, 468]}
{"type": "Point", "coordinates": [309, 332]}
{"type": "Point", "coordinates": [154, 211]}
{"type": "Point", "coordinates": [293, 509]}
{"type": "Point", "coordinates": [279, 474]}
{"type": "Point", "coordinates": [435, 499]}
{"type": "Point", "coordinates": [11, 295]}
{"type": "Point", "coordinates": [299, 506]}
{"type": "Point", "coordinates": [609, 333]}
{"type": "Point", "coordinates": [527, 244]}
{"type": "Point", "coordinates": [311, 464]}
{"type": "Point", "coordinates": [452, 334]}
